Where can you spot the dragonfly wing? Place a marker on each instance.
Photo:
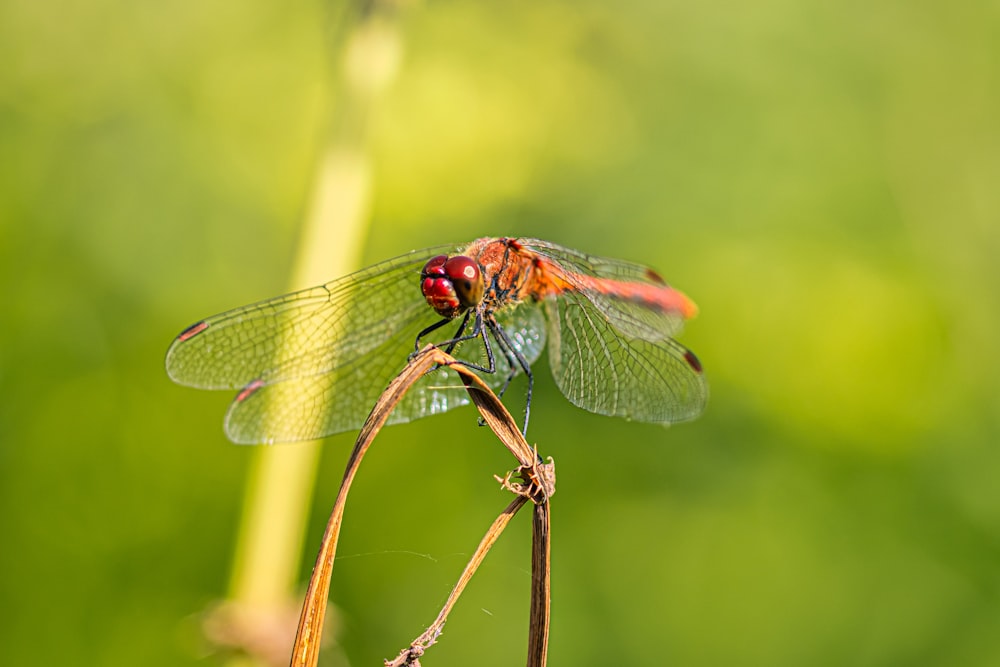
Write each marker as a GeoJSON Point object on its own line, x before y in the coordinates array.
{"type": "Point", "coordinates": [526, 328]}
{"type": "Point", "coordinates": [310, 332]}
{"type": "Point", "coordinates": [635, 317]}
{"type": "Point", "coordinates": [637, 320]}
{"type": "Point", "coordinates": [314, 362]}
{"type": "Point", "coordinates": [313, 406]}
{"type": "Point", "coordinates": [603, 367]}
{"type": "Point", "coordinates": [593, 265]}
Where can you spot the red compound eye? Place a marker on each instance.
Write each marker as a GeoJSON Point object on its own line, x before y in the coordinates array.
{"type": "Point", "coordinates": [465, 279]}
{"type": "Point", "coordinates": [451, 285]}
{"type": "Point", "coordinates": [435, 266]}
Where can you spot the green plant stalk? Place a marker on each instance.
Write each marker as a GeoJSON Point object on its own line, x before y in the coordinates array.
{"type": "Point", "coordinates": [282, 478]}
{"type": "Point", "coordinates": [262, 589]}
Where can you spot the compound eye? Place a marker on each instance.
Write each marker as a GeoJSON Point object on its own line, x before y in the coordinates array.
{"type": "Point", "coordinates": [466, 279]}
{"type": "Point", "coordinates": [435, 266]}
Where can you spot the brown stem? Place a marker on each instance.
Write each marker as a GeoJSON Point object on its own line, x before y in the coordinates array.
{"type": "Point", "coordinates": [305, 651]}
{"type": "Point", "coordinates": [538, 487]}
{"type": "Point", "coordinates": [541, 592]}
{"type": "Point", "coordinates": [411, 655]}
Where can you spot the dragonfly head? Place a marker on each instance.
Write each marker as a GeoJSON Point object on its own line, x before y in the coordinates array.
{"type": "Point", "coordinates": [451, 285]}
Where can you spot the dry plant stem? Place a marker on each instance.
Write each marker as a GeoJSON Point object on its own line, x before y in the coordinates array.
{"type": "Point", "coordinates": [310, 629]}
{"type": "Point", "coordinates": [496, 416]}
{"type": "Point", "coordinates": [410, 657]}
{"type": "Point", "coordinates": [541, 591]}
{"type": "Point", "coordinates": [539, 487]}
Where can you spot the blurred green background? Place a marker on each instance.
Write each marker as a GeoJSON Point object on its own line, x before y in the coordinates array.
{"type": "Point", "coordinates": [822, 179]}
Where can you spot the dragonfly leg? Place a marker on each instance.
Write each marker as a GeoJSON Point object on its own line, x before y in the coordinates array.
{"type": "Point", "coordinates": [460, 334]}
{"type": "Point", "coordinates": [512, 364]}
{"type": "Point", "coordinates": [510, 352]}
{"type": "Point", "coordinates": [460, 337]}
{"type": "Point", "coordinates": [434, 327]}
{"type": "Point", "coordinates": [477, 332]}
{"type": "Point", "coordinates": [507, 345]}
{"type": "Point", "coordinates": [511, 372]}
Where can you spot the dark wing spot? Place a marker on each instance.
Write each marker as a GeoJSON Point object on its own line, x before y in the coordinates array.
{"type": "Point", "coordinates": [192, 330]}
{"type": "Point", "coordinates": [249, 390]}
{"type": "Point", "coordinates": [692, 361]}
{"type": "Point", "coordinates": [654, 277]}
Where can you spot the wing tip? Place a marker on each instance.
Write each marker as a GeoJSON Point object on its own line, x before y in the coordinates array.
{"type": "Point", "coordinates": [192, 331]}
{"type": "Point", "coordinates": [174, 369]}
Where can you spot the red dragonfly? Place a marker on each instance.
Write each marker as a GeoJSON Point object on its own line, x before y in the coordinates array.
{"type": "Point", "coordinates": [313, 363]}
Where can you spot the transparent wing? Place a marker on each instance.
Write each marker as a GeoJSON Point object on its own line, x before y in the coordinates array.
{"type": "Point", "coordinates": [309, 332]}
{"type": "Point", "coordinates": [605, 267]}
{"type": "Point", "coordinates": [610, 341]}
{"type": "Point", "coordinates": [315, 406]}
{"type": "Point", "coordinates": [602, 370]}
{"type": "Point", "coordinates": [631, 314]}
{"type": "Point", "coordinates": [312, 363]}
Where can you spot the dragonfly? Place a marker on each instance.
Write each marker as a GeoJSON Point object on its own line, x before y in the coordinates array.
{"type": "Point", "coordinates": [312, 363]}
